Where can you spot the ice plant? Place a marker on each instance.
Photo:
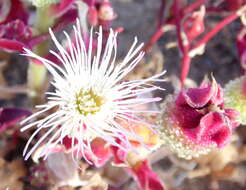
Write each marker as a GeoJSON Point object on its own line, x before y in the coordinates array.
{"type": "Point", "coordinates": [195, 121]}
{"type": "Point", "coordinates": [90, 95]}
{"type": "Point", "coordinates": [235, 97]}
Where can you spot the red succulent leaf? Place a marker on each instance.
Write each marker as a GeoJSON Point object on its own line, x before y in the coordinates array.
{"type": "Point", "coordinates": [199, 97]}
{"type": "Point", "coordinates": [119, 154]}
{"type": "Point", "coordinates": [10, 116]}
{"type": "Point", "coordinates": [217, 98]}
{"type": "Point", "coordinates": [214, 128]}
{"type": "Point", "coordinates": [146, 178]}
{"type": "Point", "coordinates": [101, 151]}
{"type": "Point", "coordinates": [11, 45]}
{"type": "Point", "coordinates": [187, 117]}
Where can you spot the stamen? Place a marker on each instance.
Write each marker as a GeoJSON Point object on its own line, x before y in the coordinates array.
{"type": "Point", "coordinates": [88, 102]}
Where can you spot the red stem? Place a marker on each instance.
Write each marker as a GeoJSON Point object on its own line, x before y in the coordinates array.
{"type": "Point", "coordinates": [217, 28]}
{"type": "Point", "coordinates": [154, 38]}
{"type": "Point", "coordinates": [161, 14]}
{"type": "Point", "coordinates": [184, 48]}
{"type": "Point", "coordinates": [159, 30]}
{"type": "Point", "coordinates": [185, 66]}
{"type": "Point", "coordinates": [178, 26]}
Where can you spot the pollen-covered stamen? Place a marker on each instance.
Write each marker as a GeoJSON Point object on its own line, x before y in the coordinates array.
{"type": "Point", "coordinates": [88, 102]}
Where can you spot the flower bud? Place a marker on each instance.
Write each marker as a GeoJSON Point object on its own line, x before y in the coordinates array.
{"type": "Point", "coordinates": [194, 24]}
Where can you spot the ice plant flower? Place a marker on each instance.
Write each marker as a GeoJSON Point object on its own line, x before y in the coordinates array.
{"type": "Point", "coordinates": [90, 95]}
{"type": "Point", "coordinates": [235, 97]}
{"type": "Point", "coordinates": [195, 121]}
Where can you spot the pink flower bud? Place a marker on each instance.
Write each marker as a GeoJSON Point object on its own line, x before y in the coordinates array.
{"type": "Point", "coordinates": [193, 24]}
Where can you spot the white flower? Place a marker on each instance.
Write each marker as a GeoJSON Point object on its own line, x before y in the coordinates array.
{"type": "Point", "coordinates": [90, 96]}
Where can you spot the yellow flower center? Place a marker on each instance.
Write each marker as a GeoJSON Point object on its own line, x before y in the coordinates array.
{"type": "Point", "coordinates": [88, 102]}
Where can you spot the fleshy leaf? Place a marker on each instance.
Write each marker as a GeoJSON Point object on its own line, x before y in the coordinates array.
{"type": "Point", "coordinates": [101, 151]}
{"type": "Point", "coordinates": [212, 129]}
{"type": "Point", "coordinates": [118, 154]}
{"type": "Point", "coordinates": [199, 97]}
{"type": "Point", "coordinates": [187, 117]}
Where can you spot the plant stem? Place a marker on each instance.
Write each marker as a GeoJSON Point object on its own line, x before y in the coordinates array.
{"type": "Point", "coordinates": [154, 38]}
{"type": "Point", "coordinates": [161, 14]}
{"type": "Point", "coordinates": [216, 29]}
{"type": "Point", "coordinates": [183, 45]}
